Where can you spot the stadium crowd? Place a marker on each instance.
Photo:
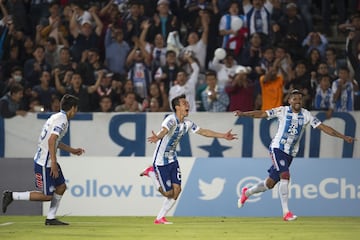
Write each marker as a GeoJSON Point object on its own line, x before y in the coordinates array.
{"type": "Point", "coordinates": [136, 55]}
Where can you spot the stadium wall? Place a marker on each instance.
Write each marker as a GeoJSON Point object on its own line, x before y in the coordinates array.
{"type": "Point", "coordinates": [111, 186]}
{"type": "Point", "coordinates": [124, 135]}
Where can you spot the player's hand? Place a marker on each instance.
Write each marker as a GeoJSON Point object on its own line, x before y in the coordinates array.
{"type": "Point", "coordinates": [77, 151]}
{"type": "Point", "coordinates": [238, 113]}
{"type": "Point", "coordinates": [153, 138]}
{"type": "Point", "coordinates": [230, 136]}
{"type": "Point", "coordinates": [349, 139]}
{"type": "Point", "coordinates": [54, 170]}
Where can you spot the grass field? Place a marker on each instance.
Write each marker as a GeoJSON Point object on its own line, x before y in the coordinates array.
{"type": "Point", "coordinates": [220, 228]}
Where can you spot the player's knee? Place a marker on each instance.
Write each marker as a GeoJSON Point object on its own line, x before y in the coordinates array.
{"type": "Point", "coordinates": [270, 183]}
{"type": "Point", "coordinates": [285, 175]}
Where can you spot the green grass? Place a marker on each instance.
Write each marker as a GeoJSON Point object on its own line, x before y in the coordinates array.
{"type": "Point", "coordinates": [219, 228]}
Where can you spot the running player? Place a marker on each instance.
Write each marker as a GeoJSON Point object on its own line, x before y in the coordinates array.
{"type": "Point", "coordinates": [49, 178]}
{"type": "Point", "coordinates": [165, 172]}
{"type": "Point", "coordinates": [283, 148]}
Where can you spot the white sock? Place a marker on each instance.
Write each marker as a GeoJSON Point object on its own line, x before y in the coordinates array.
{"type": "Point", "coordinates": [54, 205]}
{"type": "Point", "coordinates": [154, 180]}
{"type": "Point", "coordinates": [260, 187]}
{"type": "Point", "coordinates": [167, 205]}
{"type": "Point", "coordinates": [21, 196]}
{"type": "Point", "coordinates": [284, 194]}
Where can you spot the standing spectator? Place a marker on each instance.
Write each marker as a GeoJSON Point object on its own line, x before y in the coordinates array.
{"type": "Point", "coordinates": [44, 91]}
{"type": "Point", "coordinates": [34, 67]}
{"type": "Point", "coordinates": [225, 69]}
{"type": "Point", "coordinates": [258, 17]}
{"type": "Point", "coordinates": [343, 91]}
{"type": "Point", "coordinates": [233, 40]}
{"type": "Point", "coordinates": [271, 88]}
{"type": "Point", "coordinates": [78, 89]}
{"type": "Point", "coordinates": [333, 62]}
{"type": "Point", "coordinates": [241, 90]}
{"type": "Point", "coordinates": [65, 63]}
{"type": "Point", "coordinates": [52, 52]}
{"type": "Point", "coordinates": [159, 96]}
{"type": "Point", "coordinates": [323, 99]}
{"type": "Point", "coordinates": [89, 66]}
{"type": "Point", "coordinates": [214, 98]}
{"type": "Point", "coordinates": [85, 37]}
{"type": "Point", "coordinates": [130, 104]}
{"type": "Point", "coordinates": [186, 85]}
{"type": "Point", "coordinates": [132, 23]}
{"type": "Point", "coordinates": [166, 75]}
{"type": "Point", "coordinates": [116, 49]}
{"type": "Point", "coordinates": [10, 104]}
{"type": "Point", "coordinates": [315, 40]}
{"type": "Point", "coordinates": [198, 46]}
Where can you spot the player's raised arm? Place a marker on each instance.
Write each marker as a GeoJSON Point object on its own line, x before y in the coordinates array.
{"type": "Point", "coordinates": [332, 132]}
{"type": "Point", "coordinates": [157, 136]}
{"type": "Point", "coordinates": [253, 114]}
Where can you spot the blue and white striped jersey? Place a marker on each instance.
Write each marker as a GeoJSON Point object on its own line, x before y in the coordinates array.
{"type": "Point", "coordinates": [165, 152]}
{"type": "Point", "coordinates": [291, 128]}
{"type": "Point", "coordinates": [56, 124]}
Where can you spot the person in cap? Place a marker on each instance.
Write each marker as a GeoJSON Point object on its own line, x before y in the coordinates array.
{"type": "Point", "coordinates": [293, 120]}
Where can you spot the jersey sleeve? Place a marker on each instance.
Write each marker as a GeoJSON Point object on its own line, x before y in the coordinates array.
{"type": "Point", "coordinates": [192, 126]}
{"type": "Point", "coordinates": [274, 112]}
{"type": "Point", "coordinates": [58, 126]}
{"type": "Point", "coordinates": [314, 121]}
{"type": "Point", "coordinates": [168, 122]}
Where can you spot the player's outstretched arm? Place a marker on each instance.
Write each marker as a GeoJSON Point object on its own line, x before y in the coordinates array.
{"type": "Point", "coordinates": [210, 133]}
{"type": "Point", "coordinates": [67, 148]}
{"type": "Point", "coordinates": [332, 132]}
{"type": "Point", "coordinates": [253, 114]}
{"type": "Point", "coordinates": [157, 136]}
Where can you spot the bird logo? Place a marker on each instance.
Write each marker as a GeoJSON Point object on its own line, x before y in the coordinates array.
{"type": "Point", "coordinates": [211, 190]}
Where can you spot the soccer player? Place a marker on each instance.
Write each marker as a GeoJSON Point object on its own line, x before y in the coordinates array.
{"type": "Point", "coordinates": [49, 179]}
{"type": "Point", "coordinates": [283, 148]}
{"type": "Point", "coordinates": [165, 172]}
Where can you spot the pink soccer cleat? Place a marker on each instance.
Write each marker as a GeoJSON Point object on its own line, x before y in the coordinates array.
{"type": "Point", "coordinates": [243, 198]}
{"type": "Point", "coordinates": [146, 171]}
{"type": "Point", "coordinates": [162, 220]}
{"type": "Point", "coordinates": [289, 217]}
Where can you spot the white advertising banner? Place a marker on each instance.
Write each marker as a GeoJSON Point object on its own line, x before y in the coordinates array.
{"type": "Point", "coordinates": [125, 135]}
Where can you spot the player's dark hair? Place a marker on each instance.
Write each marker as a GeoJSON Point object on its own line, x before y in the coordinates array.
{"type": "Point", "coordinates": [176, 101]}
{"type": "Point", "coordinates": [68, 101]}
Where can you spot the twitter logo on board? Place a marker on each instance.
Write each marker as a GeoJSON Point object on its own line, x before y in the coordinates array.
{"type": "Point", "coordinates": [211, 190]}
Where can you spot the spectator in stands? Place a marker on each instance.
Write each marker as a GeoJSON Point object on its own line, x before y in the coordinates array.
{"type": "Point", "coordinates": [105, 104]}
{"type": "Point", "coordinates": [130, 104]}
{"type": "Point", "coordinates": [34, 67]}
{"type": "Point", "coordinates": [138, 62]}
{"type": "Point", "coordinates": [343, 91]}
{"type": "Point", "coordinates": [52, 52]}
{"type": "Point", "coordinates": [43, 91]}
{"type": "Point", "coordinates": [271, 84]}
{"type": "Point", "coordinates": [159, 96]}
{"type": "Point", "coordinates": [11, 62]}
{"type": "Point", "coordinates": [355, 65]}
{"type": "Point", "coordinates": [266, 60]}
{"type": "Point", "coordinates": [89, 66]}
{"type": "Point", "coordinates": [132, 23]}
{"type": "Point", "coordinates": [290, 30]}
{"type": "Point", "coordinates": [333, 62]}
{"type": "Point", "coordinates": [78, 89]}
{"type": "Point", "coordinates": [166, 74]}
{"type": "Point", "coordinates": [198, 46]}
{"type": "Point", "coordinates": [85, 37]}
{"type": "Point", "coordinates": [107, 87]}
{"type": "Point", "coordinates": [251, 54]}
{"type": "Point", "coordinates": [10, 104]}
{"type": "Point", "coordinates": [164, 21]}
{"type": "Point", "coordinates": [315, 40]}
{"type": "Point", "coordinates": [186, 84]}
{"type": "Point", "coordinates": [65, 63]}
{"type": "Point", "coordinates": [116, 49]}
{"type": "Point", "coordinates": [214, 98]}
{"type": "Point", "coordinates": [258, 17]}
{"type": "Point", "coordinates": [55, 27]}
{"type": "Point", "coordinates": [241, 90]}
{"type": "Point", "coordinates": [233, 40]}
{"type": "Point", "coordinates": [225, 69]}
{"type": "Point", "coordinates": [323, 99]}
